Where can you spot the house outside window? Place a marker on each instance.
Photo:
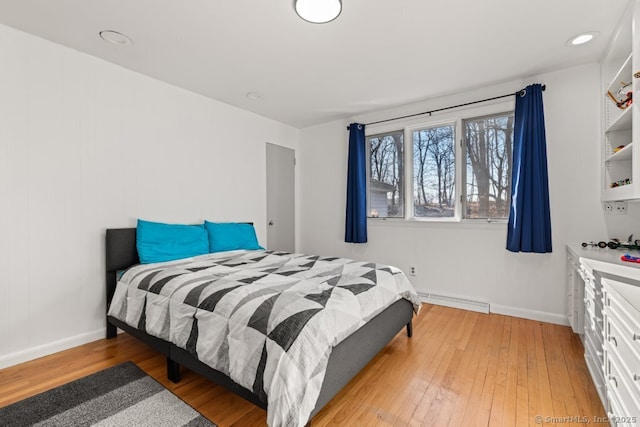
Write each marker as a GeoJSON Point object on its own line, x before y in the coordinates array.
{"type": "Point", "coordinates": [380, 194]}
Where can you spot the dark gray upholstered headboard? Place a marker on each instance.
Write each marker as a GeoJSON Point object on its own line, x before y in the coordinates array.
{"type": "Point", "coordinates": [121, 248]}
{"type": "Point", "coordinates": [121, 253]}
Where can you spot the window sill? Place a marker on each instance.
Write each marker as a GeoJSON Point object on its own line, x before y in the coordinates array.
{"type": "Point", "coordinates": [438, 222]}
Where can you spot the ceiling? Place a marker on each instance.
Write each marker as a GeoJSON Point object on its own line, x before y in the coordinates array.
{"type": "Point", "coordinates": [378, 53]}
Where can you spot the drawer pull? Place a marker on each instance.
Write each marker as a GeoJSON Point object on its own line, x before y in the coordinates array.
{"type": "Point", "coordinates": [636, 377]}
{"type": "Point", "coordinates": [636, 337]}
{"type": "Point", "coordinates": [614, 380]}
{"type": "Point", "coordinates": [614, 341]}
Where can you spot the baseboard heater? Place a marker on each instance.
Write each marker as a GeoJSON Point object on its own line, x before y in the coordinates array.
{"type": "Point", "coordinates": [455, 302]}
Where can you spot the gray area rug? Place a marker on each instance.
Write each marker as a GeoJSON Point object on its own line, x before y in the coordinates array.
{"type": "Point", "coordinates": [122, 395]}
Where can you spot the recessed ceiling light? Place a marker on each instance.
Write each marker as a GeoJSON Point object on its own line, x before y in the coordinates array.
{"type": "Point", "coordinates": [116, 38]}
{"type": "Point", "coordinates": [582, 38]}
{"type": "Point", "coordinates": [254, 95]}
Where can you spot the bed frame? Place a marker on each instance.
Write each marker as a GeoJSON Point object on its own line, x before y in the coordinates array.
{"type": "Point", "coordinates": [346, 360]}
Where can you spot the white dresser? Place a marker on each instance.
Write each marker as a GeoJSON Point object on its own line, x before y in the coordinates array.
{"type": "Point", "coordinates": [608, 319]}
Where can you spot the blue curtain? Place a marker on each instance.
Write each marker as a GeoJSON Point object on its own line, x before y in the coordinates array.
{"type": "Point", "coordinates": [356, 224]}
{"type": "Point", "coordinates": [529, 216]}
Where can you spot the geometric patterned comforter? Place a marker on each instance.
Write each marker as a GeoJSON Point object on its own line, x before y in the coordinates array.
{"type": "Point", "coordinates": [266, 319]}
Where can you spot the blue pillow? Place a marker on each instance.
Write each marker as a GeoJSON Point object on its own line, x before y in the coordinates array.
{"type": "Point", "coordinates": [229, 236]}
{"type": "Point", "coordinates": [158, 242]}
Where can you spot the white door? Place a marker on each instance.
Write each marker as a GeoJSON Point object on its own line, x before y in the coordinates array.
{"type": "Point", "coordinates": [280, 198]}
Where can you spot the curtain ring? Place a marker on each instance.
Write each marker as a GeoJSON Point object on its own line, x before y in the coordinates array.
{"type": "Point", "coordinates": [523, 92]}
{"type": "Point", "coordinates": [359, 126]}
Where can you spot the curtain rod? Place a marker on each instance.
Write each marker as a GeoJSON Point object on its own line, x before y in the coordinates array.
{"type": "Point", "coordinates": [521, 92]}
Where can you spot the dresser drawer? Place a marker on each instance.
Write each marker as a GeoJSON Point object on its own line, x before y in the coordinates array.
{"type": "Point", "coordinates": [623, 339]}
{"type": "Point", "coordinates": [621, 388]}
{"type": "Point", "coordinates": [590, 307]}
{"type": "Point", "coordinates": [626, 368]}
{"type": "Point", "coordinates": [593, 347]}
{"type": "Point", "coordinates": [616, 417]}
{"type": "Point", "coordinates": [589, 279]}
{"type": "Point", "coordinates": [596, 375]}
{"type": "Point", "coordinates": [623, 312]}
{"type": "Point", "coordinates": [582, 272]}
{"type": "Point", "coordinates": [627, 350]}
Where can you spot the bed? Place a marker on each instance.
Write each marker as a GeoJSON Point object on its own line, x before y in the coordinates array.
{"type": "Point", "coordinates": [348, 353]}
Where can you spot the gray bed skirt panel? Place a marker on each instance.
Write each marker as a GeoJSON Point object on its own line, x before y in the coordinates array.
{"type": "Point", "coordinates": [350, 356]}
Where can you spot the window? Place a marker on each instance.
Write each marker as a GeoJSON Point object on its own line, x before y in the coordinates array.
{"type": "Point", "coordinates": [434, 173]}
{"type": "Point", "coordinates": [386, 177]}
{"type": "Point", "coordinates": [488, 145]}
{"type": "Point", "coordinates": [444, 180]}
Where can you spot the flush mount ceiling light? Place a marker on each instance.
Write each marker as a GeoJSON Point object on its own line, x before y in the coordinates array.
{"type": "Point", "coordinates": [116, 38]}
{"type": "Point", "coordinates": [582, 38]}
{"type": "Point", "coordinates": [318, 11]}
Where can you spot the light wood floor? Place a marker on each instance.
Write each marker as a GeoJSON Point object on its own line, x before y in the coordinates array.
{"type": "Point", "coordinates": [460, 369]}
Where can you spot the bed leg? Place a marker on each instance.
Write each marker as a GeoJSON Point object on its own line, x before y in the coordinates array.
{"type": "Point", "coordinates": [112, 330]}
{"type": "Point", "coordinates": [410, 328]}
{"type": "Point", "coordinates": [173, 371]}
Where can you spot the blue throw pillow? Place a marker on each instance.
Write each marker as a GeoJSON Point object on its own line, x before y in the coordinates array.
{"type": "Point", "coordinates": [229, 236]}
{"type": "Point", "coordinates": [158, 242]}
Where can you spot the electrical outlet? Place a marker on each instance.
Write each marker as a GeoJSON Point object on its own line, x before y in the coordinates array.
{"type": "Point", "coordinates": [608, 207]}
{"type": "Point", "coordinates": [412, 270]}
{"type": "Point", "coordinates": [621, 208]}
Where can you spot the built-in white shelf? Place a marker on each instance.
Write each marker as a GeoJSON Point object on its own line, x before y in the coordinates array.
{"type": "Point", "coordinates": [622, 122]}
{"type": "Point", "coordinates": [623, 154]}
{"type": "Point", "coordinates": [621, 125]}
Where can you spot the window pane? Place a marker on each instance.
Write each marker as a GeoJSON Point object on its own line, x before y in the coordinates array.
{"type": "Point", "coordinates": [489, 145]}
{"type": "Point", "coordinates": [434, 172]}
{"type": "Point", "coordinates": [386, 182]}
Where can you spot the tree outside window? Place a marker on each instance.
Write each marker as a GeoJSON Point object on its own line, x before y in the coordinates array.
{"type": "Point", "coordinates": [489, 148]}
{"type": "Point", "coordinates": [434, 172]}
{"type": "Point", "coordinates": [386, 179]}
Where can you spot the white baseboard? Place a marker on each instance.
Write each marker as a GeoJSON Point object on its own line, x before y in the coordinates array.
{"type": "Point", "coordinates": [485, 307]}
{"type": "Point", "coordinates": [541, 316]}
{"type": "Point", "coordinates": [50, 348]}
{"type": "Point", "coordinates": [455, 302]}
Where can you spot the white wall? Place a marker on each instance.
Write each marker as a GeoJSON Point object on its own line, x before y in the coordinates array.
{"type": "Point", "coordinates": [469, 260]}
{"type": "Point", "coordinates": [622, 226]}
{"type": "Point", "coordinates": [86, 145]}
